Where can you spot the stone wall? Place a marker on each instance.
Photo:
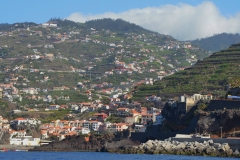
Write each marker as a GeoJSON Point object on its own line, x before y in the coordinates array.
{"type": "Point", "coordinates": [223, 104]}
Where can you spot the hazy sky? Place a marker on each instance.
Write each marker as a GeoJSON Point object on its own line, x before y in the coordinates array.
{"type": "Point", "coordinates": [185, 19]}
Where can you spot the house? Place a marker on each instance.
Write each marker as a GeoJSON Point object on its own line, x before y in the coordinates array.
{"type": "Point", "coordinates": [146, 118]}
{"type": "Point", "coordinates": [100, 116]}
{"type": "Point", "coordinates": [54, 107]}
{"type": "Point", "coordinates": [132, 119]}
{"type": "Point", "coordinates": [123, 109]}
{"type": "Point", "coordinates": [25, 141]}
{"type": "Point", "coordinates": [86, 124]}
{"type": "Point", "coordinates": [74, 107]}
{"type": "Point", "coordinates": [19, 121]}
{"type": "Point", "coordinates": [121, 126]}
{"type": "Point", "coordinates": [85, 130]}
{"type": "Point", "coordinates": [95, 125]}
{"type": "Point", "coordinates": [117, 127]}
{"type": "Point", "coordinates": [59, 123]}
{"type": "Point", "coordinates": [140, 128]}
{"type": "Point", "coordinates": [20, 133]}
{"type": "Point", "coordinates": [33, 121]}
{"type": "Point", "coordinates": [44, 134]}
{"type": "Point", "coordinates": [83, 108]}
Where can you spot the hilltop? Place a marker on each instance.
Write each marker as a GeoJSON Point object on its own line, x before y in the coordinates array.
{"type": "Point", "coordinates": [217, 42]}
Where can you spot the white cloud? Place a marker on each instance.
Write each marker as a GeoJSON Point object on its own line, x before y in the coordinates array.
{"type": "Point", "coordinates": [186, 21]}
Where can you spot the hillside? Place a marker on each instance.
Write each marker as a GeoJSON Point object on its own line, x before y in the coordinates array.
{"type": "Point", "coordinates": [210, 75]}
{"type": "Point", "coordinates": [106, 56]}
{"type": "Point", "coordinates": [217, 42]}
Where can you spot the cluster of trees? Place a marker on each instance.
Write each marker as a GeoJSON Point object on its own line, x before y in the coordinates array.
{"type": "Point", "coordinates": [7, 26]}
{"type": "Point", "coordinates": [114, 25]}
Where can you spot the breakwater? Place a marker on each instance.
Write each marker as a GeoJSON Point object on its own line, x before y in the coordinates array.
{"type": "Point", "coordinates": [169, 146]}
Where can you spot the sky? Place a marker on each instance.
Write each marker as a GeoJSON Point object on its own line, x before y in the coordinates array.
{"type": "Point", "coordinates": [182, 19]}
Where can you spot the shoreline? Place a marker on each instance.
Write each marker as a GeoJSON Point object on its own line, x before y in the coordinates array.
{"type": "Point", "coordinates": [157, 147]}
{"type": "Point", "coordinates": [207, 148]}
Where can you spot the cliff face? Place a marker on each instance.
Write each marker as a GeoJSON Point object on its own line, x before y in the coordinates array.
{"type": "Point", "coordinates": [211, 122]}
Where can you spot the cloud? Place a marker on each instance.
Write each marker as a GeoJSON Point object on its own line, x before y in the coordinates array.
{"type": "Point", "coordinates": [183, 21]}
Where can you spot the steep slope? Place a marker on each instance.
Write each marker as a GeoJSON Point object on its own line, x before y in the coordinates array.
{"type": "Point", "coordinates": [210, 75]}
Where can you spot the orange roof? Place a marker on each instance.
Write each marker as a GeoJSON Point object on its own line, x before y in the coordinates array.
{"type": "Point", "coordinates": [67, 127]}
{"type": "Point", "coordinates": [20, 119]}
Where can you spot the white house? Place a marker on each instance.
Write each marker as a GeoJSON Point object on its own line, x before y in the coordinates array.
{"type": "Point", "coordinates": [85, 130]}
{"type": "Point", "coordinates": [53, 107]}
{"type": "Point", "coordinates": [140, 128]}
{"type": "Point", "coordinates": [25, 141]}
{"type": "Point", "coordinates": [95, 125]}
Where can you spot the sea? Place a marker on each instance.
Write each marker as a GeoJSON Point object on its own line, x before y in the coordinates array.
{"type": "Point", "coordinates": [96, 156]}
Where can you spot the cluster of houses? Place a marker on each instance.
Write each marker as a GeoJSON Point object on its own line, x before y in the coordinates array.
{"type": "Point", "coordinates": [19, 136]}
{"type": "Point", "coordinates": [130, 114]}
{"type": "Point", "coordinates": [100, 122]}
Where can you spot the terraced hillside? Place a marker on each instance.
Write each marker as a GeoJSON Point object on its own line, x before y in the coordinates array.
{"type": "Point", "coordinates": [67, 59]}
{"type": "Point", "coordinates": [210, 75]}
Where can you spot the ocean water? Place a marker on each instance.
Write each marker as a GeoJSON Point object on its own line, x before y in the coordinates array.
{"type": "Point", "coordinates": [96, 156]}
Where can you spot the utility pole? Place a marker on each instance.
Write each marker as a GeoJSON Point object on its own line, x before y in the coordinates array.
{"type": "Point", "coordinates": [221, 131]}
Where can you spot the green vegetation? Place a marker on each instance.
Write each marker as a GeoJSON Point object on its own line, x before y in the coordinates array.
{"type": "Point", "coordinates": [114, 25]}
{"type": "Point", "coordinates": [217, 42]}
{"type": "Point", "coordinates": [210, 75]}
{"type": "Point", "coordinates": [53, 115]}
{"type": "Point", "coordinates": [114, 119]}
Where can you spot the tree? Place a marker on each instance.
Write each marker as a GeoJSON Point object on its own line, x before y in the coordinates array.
{"type": "Point", "coordinates": [202, 106]}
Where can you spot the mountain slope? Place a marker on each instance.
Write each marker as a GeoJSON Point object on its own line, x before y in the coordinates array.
{"type": "Point", "coordinates": [211, 75]}
{"type": "Point", "coordinates": [68, 55]}
{"type": "Point", "coordinates": [217, 42]}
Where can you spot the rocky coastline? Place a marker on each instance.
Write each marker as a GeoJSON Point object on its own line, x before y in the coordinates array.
{"type": "Point", "coordinates": [168, 146]}
{"type": "Point", "coordinates": [126, 146]}
{"type": "Point", "coordinates": [85, 144]}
